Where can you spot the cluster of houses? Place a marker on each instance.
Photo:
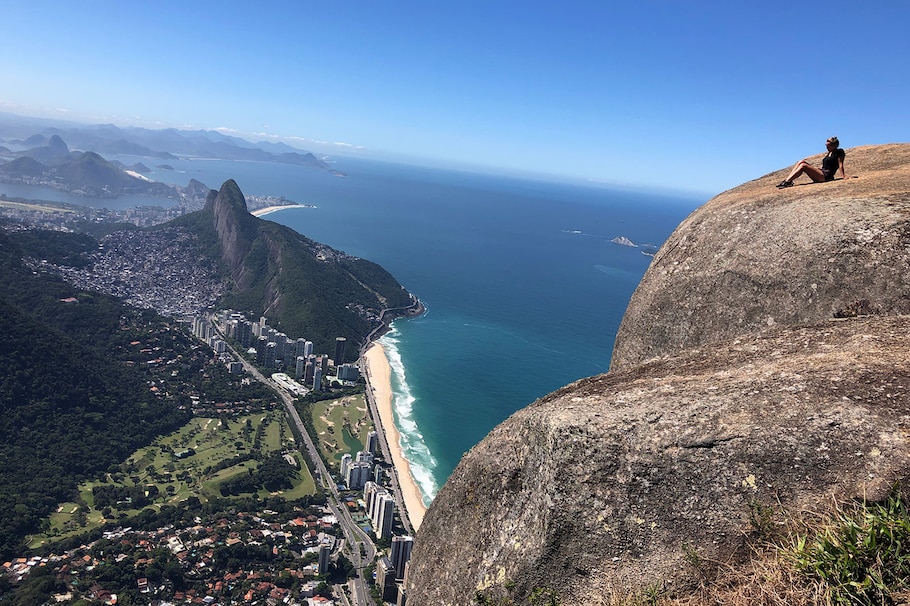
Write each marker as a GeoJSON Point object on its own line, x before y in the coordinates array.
{"type": "Point", "coordinates": [289, 539]}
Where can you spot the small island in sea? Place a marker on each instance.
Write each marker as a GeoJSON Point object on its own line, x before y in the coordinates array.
{"type": "Point", "coordinates": [624, 241]}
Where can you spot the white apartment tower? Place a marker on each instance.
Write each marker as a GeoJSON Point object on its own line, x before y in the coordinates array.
{"type": "Point", "coordinates": [385, 512]}
{"type": "Point", "coordinates": [346, 460]}
{"type": "Point", "coordinates": [358, 475]}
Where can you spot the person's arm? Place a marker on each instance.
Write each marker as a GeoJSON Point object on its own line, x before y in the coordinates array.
{"type": "Point", "coordinates": [840, 161]}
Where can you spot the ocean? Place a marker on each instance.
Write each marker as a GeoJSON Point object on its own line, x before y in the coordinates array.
{"type": "Point", "coordinates": [525, 281]}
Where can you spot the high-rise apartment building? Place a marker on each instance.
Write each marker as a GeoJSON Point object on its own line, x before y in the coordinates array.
{"type": "Point", "coordinates": [325, 551]}
{"type": "Point", "coordinates": [374, 502]}
{"type": "Point", "coordinates": [385, 512]}
{"type": "Point", "coordinates": [370, 489]}
{"type": "Point", "coordinates": [346, 460]}
{"type": "Point", "coordinates": [358, 475]}
{"type": "Point", "coordinates": [385, 579]}
{"type": "Point", "coordinates": [372, 442]}
{"type": "Point", "coordinates": [401, 554]}
{"type": "Point", "coordinates": [339, 350]}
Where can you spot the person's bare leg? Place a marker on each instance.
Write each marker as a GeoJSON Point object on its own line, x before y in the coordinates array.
{"type": "Point", "coordinates": [797, 170]}
{"type": "Point", "coordinates": [814, 173]}
{"type": "Point", "coordinates": [803, 167]}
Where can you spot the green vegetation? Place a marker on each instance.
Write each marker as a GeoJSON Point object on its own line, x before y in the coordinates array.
{"type": "Point", "coordinates": [56, 247]}
{"type": "Point", "coordinates": [310, 289]}
{"type": "Point", "coordinates": [341, 425]}
{"type": "Point", "coordinates": [207, 458]}
{"type": "Point", "coordinates": [858, 554]}
{"type": "Point", "coordinates": [86, 382]}
{"type": "Point", "coordinates": [861, 556]}
{"type": "Point", "coordinates": [539, 596]}
{"type": "Point", "coordinates": [257, 562]}
{"type": "Point", "coordinates": [67, 408]}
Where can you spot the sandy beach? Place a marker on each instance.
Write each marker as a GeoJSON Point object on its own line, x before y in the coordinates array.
{"type": "Point", "coordinates": [269, 209]}
{"type": "Point", "coordinates": [380, 381]}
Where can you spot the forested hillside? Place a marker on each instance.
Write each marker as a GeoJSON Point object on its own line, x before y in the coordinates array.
{"type": "Point", "coordinates": [305, 288]}
{"type": "Point", "coordinates": [71, 401]}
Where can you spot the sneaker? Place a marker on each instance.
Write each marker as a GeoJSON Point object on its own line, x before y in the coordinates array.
{"type": "Point", "coordinates": [785, 183]}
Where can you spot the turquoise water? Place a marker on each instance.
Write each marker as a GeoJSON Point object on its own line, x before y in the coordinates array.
{"type": "Point", "coordinates": [523, 286]}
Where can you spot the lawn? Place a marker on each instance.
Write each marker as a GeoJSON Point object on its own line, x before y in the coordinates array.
{"type": "Point", "coordinates": [342, 426]}
{"type": "Point", "coordinates": [192, 461]}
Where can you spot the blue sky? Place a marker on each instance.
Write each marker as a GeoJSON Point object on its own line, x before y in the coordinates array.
{"type": "Point", "coordinates": [696, 96]}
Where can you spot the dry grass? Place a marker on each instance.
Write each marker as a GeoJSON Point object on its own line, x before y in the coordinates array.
{"type": "Point", "coordinates": [777, 573]}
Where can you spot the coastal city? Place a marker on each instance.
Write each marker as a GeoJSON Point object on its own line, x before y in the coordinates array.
{"type": "Point", "coordinates": [347, 541]}
{"type": "Point", "coordinates": [375, 509]}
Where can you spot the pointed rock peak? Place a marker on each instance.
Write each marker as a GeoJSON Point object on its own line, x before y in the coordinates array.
{"type": "Point", "coordinates": [229, 196]}
{"type": "Point", "coordinates": [57, 144]}
{"type": "Point", "coordinates": [235, 226]}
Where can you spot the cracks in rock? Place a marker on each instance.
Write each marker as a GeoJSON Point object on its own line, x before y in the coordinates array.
{"type": "Point", "coordinates": [706, 442]}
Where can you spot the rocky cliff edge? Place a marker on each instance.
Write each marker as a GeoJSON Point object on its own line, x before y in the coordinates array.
{"type": "Point", "coordinates": [755, 257]}
{"type": "Point", "coordinates": [763, 363]}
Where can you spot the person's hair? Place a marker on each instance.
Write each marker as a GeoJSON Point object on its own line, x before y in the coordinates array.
{"type": "Point", "coordinates": [835, 141]}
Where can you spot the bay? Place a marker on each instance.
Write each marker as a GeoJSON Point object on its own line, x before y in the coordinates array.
{"type": "Point", "coordinates": [34, 192]}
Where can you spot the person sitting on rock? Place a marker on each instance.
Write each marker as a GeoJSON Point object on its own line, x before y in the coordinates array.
{"type": "Point", "coordinates": [832, 161]}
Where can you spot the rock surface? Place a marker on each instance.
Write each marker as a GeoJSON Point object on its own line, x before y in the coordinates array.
{"type": "Point", "coordinates": [619, 481]}
{"type": "Point", "coordinates": [755, 256]}
{"type": "Point", "coordinates": [235, 227]}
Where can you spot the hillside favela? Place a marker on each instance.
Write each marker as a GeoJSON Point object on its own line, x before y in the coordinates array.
{"type": "Point", "coordinates": [358, 304]}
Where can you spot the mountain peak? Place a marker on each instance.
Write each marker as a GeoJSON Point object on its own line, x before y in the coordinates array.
{"type": "Point", "coordinates": [229, 196]}
{"type": "Point", "coordinates": [58, 145]}
{"type": "Point", "coordinates": [235, 226]}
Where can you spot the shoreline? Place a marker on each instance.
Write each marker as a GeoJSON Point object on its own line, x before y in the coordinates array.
{"type": "Point", "coordinates": [270, 209]}
{"type": "Point", "coordinates": [379, 381]}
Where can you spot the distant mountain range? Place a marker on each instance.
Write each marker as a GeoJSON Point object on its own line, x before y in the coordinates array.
{"type": "Point", "coordinates": [18, 134]}
{"type": "Point", "coordinates": [84, 173]}
{"type": "Point", "coordinates": [43, 152]}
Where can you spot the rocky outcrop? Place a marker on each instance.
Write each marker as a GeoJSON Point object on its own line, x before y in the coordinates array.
{"type": "Point", "coordinates": [54, 152]}
{"type": "Point", "coordinates": [754, 257]}
{"type": "Point", "coordinates": [235, 227]}
{"type": "Point", "coordinates": [622, 481]}
{"type": "Point", "coordinates": [306, 289]}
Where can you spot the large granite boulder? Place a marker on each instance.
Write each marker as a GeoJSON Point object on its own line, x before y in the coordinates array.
{"type": "Point", "coordinates": [755, 395]}
{"type": "Point", "coordinates": [756, 256]}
